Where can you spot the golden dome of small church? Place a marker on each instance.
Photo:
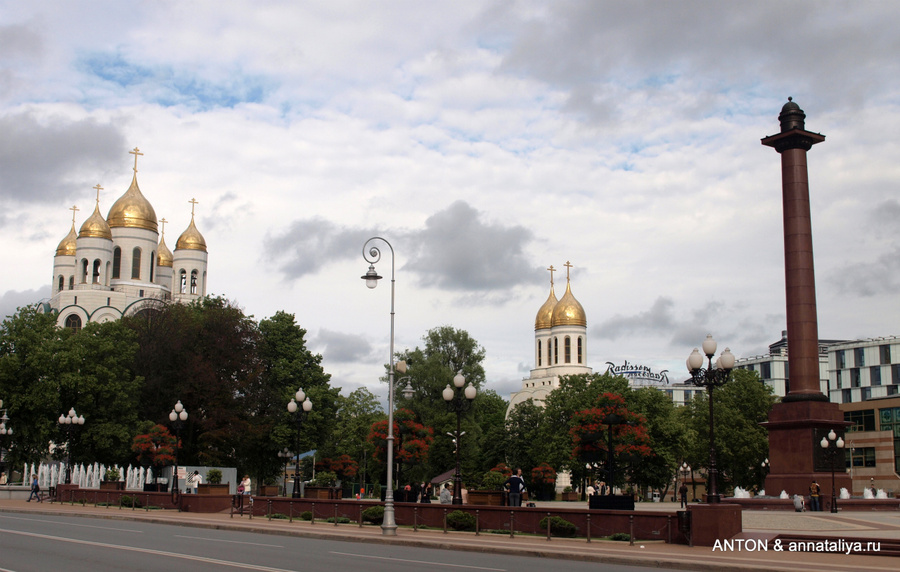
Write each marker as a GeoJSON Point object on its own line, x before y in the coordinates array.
{"type": "Point", "coordinates": [120, 265]}
{"type": "Point", "coordinates": [560, 344]}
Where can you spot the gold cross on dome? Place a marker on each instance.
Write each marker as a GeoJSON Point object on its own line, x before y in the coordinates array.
{"type": "Point", "coordinates": [74, 209]}
{"type": "Point", "coordinates": [552, 270]}
{"type": "Point", "coordinates": [193, 204]}
{"type": "Point", "coordinates": [135, 152]}
{"type": "Point", "coordinates": [98, 189]}
{"type": "Point", "coordinates": [568, 265]}
{"type": "Point", "coordinates": [163, 221]}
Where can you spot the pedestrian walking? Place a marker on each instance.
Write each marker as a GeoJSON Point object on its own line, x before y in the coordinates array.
{"type": "Point", "coordinates": [35, 489]}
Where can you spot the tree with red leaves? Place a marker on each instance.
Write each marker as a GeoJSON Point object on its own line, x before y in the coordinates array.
{"type": "Point", "coordinates": [412, 440]}
{"type": "Point", "coordinates": [590, 434]}
{"type": "Point", "coordinates": [344, 466]}
{"type": "Point", "coordinates": [543, 479]}
{"type": "Point", "coordinates": [156, 448]}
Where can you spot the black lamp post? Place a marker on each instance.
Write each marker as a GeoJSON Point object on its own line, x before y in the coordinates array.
{"type": "Point", "coordinates": [715, 375]}
{"type": "Point", "coordinates": [285, 455]}
{"type": "Point", "coordinates": [177, 416]}
{"type": "Point", "coordinates": [5, 433]}
{"type": "Point", "coordinates": [70, 424]}
{"type": "Point", "coordinates": [611, 420]}
{"type": "Point", "coordinates": [300, 406]}
{"type": "Point", "coordinates": [458, 400]}
{"type": "Point", "coordinates": [832, 444]}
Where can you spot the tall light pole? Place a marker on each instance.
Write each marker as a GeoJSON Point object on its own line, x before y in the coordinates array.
{"type": "Point", "coordinates": [685, 471]}
{"type": "Point", "coordinates": [177, 416]}
{"type": "Point", "coordinates": [458, 400]}
{"type": "Point", "coordinates": [70, 424]}
{"type": "Point", "coordinates": [285, 455]}
{"type": "Point", "coordinates": [300, 406]}
{"type": "Point", "coordinates": [715, 375]}
{"type": "Point", "coordinates": [5, 433]}
{"type": "Point", "coordinates": [832, 444]}
{"type": "Point", "coordinates": [611, 420]}
{"type": "Point", "coordinates": [372, 254]}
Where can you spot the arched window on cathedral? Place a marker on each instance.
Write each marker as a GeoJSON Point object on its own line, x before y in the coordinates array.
{"type": "Point", "coordinates": [555, 351]}
{"type": "Point", "coordinates": [580, 350]}
{"type": "Point", "coordinates": [152, 264]}
{"type": "Point", "coordinates": [95, 275]}
{"type": "Point", "coordinates": [539, 353]}
{"type": "Point", "coordinates": [84, 270]}
{"type": "Point", "coordinates": [183, 281]}
{"type": "Point", "coordinates": [567, 349]}
{"type": "Point", "coordinates": [117, 263]}
{"type": "Point", "coordinates": [193, 281]}
{"type": "Point", "coordinates": [73, 322]}
{"type": "Point", "coordinates": [136, 264]}
{"type": "Point", "coordinates": [71, 282]}
{"type": "Point", "coordinates": [62, 283]}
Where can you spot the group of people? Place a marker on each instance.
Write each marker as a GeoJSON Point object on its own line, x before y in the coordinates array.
{"type": "Point", "coordinates": [600, 488]}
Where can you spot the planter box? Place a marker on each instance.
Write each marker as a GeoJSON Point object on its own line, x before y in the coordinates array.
{"type": "Point", "coordinates": [156, 487]}
{"type": "Point", "coordinates": [321, 493]}
{"type": "Point", "coordinates": [569, 496]}
{"type": "Point", "coordinates": [611, 502]}
{"type": "Point", "coordinates": [486, 498]}
{"type": "Point", "coordinates": [213, 489]}
{"type": "Point", "coordinates": [268, 490]}
{"type": "Point", "coordinates": [112, 485]}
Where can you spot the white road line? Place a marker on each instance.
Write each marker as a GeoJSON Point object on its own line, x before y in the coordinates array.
{"type": "Point", "coordinates": [240, 565]}
{"type": "Point", "coordinates": [73, 525]}
{"type": "Point", "coordinates": [418, 561]}
{"type": "Point", "coordinates": [228, 541]}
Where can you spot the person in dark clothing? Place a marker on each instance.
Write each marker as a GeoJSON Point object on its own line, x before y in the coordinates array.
{"type": "Point", "coordinates": [682, 492]}
{"type": "Point", "coordinates": [516, 486]}
{"type": "Point", "coordinates": [427, 491]}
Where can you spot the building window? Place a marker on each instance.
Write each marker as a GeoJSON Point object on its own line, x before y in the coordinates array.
{"type": "Point", "coordinates": [854, 377]}
{"type": "Point", "coordinates": [866, 394]}
{"type": "Point", "coordinates": [62, 283]}
{"type": "Point", "coordinates": [540, 355]}
{"type": "Point", "coordinates": [841, 359]}
{"type": "Point", "coordinates": [863, 420]}
{"type": "Point", "coordinates": [117, 263]}
{"type": "Point", "coordinates": [567, 349]}
{"type": "Point", "coordinates": [71, 282]}
{"type": "Point", "coordinates": [892, 390]}
{"type": "Point", "coordinates": [885, 354]}
{"type": "Point", "coordinates": [136, 264]}
{"type": "Point", "coordinates": [580, 350]}
{"type": "Point", "coordinates": [555, 350]}
{"type": "Point", "coordinates": [860, 354]}
{"type": "Point", "coordinates": [862, 456]}
{"type": "Point", "coordinates": [846, 396]}
{"type": "Point", "coordinates": [84, 270]}
{"type": "Point", "coordinates": [840, 379]}
{"type": "Point", "coordinates": [73, 322]}
{"type": "Point", "coordinates": [895, 374]}
{"type": "Point", "coordinates": [549, 351]}
{"type": "Point", "coordinates": [193, 281]}
{"type": "Point", "coordinates": [95, 276]}
{"type": "Point", "coordinates": [152, 264]}
{"type": "Point", "coordinates": [765, 369]}
{"type": "Point", "coordinates": [875, 375]}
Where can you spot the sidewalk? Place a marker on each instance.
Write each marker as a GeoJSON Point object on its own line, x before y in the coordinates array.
{"type": "Point", "coordinates": [872, 525]}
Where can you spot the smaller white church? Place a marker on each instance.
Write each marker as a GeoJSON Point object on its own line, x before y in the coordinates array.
{"type": "Point", "coordinates": [560, 345]}
{"type": "Point", "coordinates": [120, 265]}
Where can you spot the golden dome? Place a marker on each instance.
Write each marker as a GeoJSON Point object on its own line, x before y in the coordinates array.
{"type": "Point", "coordinates": [163, 254]}
{"type": "Point", "coordinates": [67, 245]}
{"type": "Point", "coordinates": [544, 317]}
{"type": "Point", "coordinates": [191, 239]}
{"type": "Point", "coordinates": [95, 226]}
{"type": "Point", "coordinates": [568, 311]}
{"type": "Point", "coordinates": [133, 210]}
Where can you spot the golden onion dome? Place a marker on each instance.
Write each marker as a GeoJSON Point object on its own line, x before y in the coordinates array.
{"type": "Point", "coordinates": [568, 311]}
{"type": "Point", "coordinates": [544, 318]}
{"type": "Point", "coordinates": [95, 226]}
{"type": "Point", "coordinates": [67, 245]}
{"type": "Point", "coordinates": [163, 254]}
{"type": "Point", "coordinates": [191, 239]}
{"type": "Point", "coordinates": [133, 210]}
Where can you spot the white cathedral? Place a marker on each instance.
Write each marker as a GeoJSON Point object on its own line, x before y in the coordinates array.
{"type": "Point", "coordinates": [120, 265]}
{"type": "Point", "coordinates": [560, 345]}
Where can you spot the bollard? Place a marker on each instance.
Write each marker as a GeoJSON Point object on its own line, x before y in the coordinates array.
{"type": "Point", "coordinates": [445, 521]}
{"type": "Point", "coordinates": [313, 511]}
{"type": "Point", "coordinates": [512, 524]}
{"type": "Point", "coordinates": [549, 526]}
{"type": "Point", "coordinates": [291, 511]}
{"type": "Point", "coordinates": [669, 529]}
{"type": "Point", "coordinates": [589, 527]}
{"type": "Point", "coordinates": [251, 507]}
{"type": "Point", "coordinates": [416, 519]}
{"type": "Point", "coordinates": [335, 514]}
{"type": "Point", "coordinates": [360, 515]}
{"type": "Point", "coordinates": [476, 522]}
{"type": "Point", "coordinates": [107, 500]}
{"type": "Point", "coordinates": [269, 508]}
{"type": "Point", "coordinates": [147, 503]}
{"type": "Point", "coordinates": [630, 530]}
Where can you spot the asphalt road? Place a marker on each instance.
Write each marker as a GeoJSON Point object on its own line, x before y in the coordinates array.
{"type": "Point", "coordinates": [40, 543]}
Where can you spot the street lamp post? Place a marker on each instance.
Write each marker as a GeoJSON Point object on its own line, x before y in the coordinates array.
{"type": "Point", "coordinates": [611, 420]}
{"type": "Point", "coordinates": [372, 254]}
{"type": "Point", "coordinates": [300, 406]}
{"type": "Point", "coordinates": [458, 400]}
{"type": "Point", "coordinates": [715, 375]}
{"type": "Point", "coordinates": [177, 416]}
{"type": "Point", "coordinates": [832, 444]}
{"type": "Point", "coordinates": [5, 433]}
{"type": "Point", "coordinates": [685, 471]}
{"type": "Point", "coordinates": [285, 455]}
{"type": "Point", "coordinates": [70, 424]}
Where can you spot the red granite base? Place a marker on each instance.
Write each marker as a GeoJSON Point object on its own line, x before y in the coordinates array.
{"type": "Point", "coordinates": [711, 522]}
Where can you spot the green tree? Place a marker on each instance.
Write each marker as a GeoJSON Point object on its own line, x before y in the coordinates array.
{"type": "Point", "coordinates": [355, 415]}
{"type": "Point", "coordinates": [525, 445]}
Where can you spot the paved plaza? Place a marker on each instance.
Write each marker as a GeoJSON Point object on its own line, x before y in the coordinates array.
{"type": "Point", "coordinates": [757, 524]}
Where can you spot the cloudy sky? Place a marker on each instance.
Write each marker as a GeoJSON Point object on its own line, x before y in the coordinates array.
{"type": "Point", "coordinates": [486, 140]}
